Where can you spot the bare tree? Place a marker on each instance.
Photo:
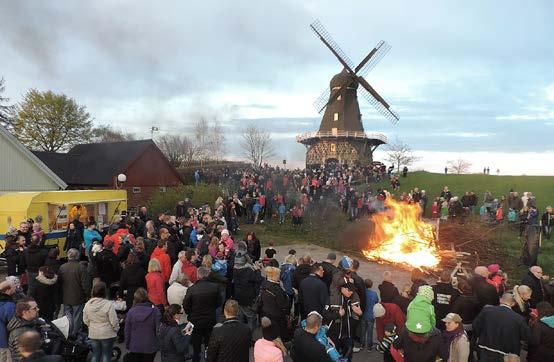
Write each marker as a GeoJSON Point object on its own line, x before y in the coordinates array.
{"type": "Point", "coordinates": [459, 166]}
{"type": "Point", "coordinates": [177, 149]}
{"type": "Point", "coordinates": [216, 140]}
{"type": "Point", "coordinates": [256, 145]}
{"type": "Point", "coordinates": [400, 154]}
{"type": "Point", "coordinates": [201, 138]}
{"type": "Point", "coordinates": [6, 111]}
{"type": "Point", "coordinates": [106, 133]}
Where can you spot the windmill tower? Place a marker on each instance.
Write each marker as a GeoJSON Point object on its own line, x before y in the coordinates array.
{"type": "Point", "coordinates": [341, 137]}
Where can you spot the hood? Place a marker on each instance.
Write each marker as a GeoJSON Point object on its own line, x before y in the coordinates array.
{"type": "Point", "coordinates": [157, 251]}
{"type": "Point", "coordinates": [418, 338]}
{"type": "Point", "coordinates": [549, 321]}
{"type": "Point", "coordinates": [44, 280]}
{"type": "Point", "coordinates": [96, 305]}
{"type": "Point", "coordinates": [143, 311]}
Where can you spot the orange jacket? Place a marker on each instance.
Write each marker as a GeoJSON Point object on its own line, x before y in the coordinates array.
{"type": "Point", "coordinates": [165, 262]}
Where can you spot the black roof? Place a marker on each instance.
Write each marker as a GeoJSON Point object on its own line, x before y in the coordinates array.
{"type": "Point", "coordinates": [94, 163]}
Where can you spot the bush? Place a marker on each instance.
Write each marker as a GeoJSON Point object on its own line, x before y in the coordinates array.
{"type": "Point", "coordinates": [198, 195]}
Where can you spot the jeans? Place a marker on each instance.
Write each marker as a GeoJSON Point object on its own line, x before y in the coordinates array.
{"type": "Point", "coordinates": [75, 314]}
{"type": "Point", "coordinates": [248, 316]}
{"type": "Point", "coordinates": [102, 349]}
{"type": "Point", "coordinates": [199, 336]}
{"type": "Point", "coordinates": [366, 326]}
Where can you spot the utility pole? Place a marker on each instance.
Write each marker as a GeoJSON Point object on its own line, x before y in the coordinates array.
{"type": "Point", "coordinates": [152, 130]}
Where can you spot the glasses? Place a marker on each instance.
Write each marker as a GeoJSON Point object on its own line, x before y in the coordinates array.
{"type": "Point", "coordinates": [34, 308]}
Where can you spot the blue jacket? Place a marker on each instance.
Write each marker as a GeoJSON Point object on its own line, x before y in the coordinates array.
{"type": "Point", "coordinates": [88, 235]}
{"type": "Point", "coordinates": [7, 311]}
{"type": "Point", "coordinates": [371, 299]}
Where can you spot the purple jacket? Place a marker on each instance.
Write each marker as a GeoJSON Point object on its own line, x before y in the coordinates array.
{"type": "Point", "coordinates": [140, 328]}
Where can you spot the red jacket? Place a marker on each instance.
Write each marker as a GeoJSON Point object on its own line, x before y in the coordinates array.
{"type": "Point", "coordinates": [393, 314]}
{"type": "Point", "coordinates": [189, 269]}
{"type": "Point", "coordinates": [165, 262]}
{"type": "Point", "coordinates": [156, 288]}
{"type": "Point", "coordinates": [116, 238]}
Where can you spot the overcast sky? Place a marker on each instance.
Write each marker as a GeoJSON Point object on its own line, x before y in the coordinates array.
{"type": "Point", "coordinates": [469, 79]}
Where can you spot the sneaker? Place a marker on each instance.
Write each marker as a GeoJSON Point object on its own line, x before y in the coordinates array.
{"type": "Point", "coordinates": [356, 349]}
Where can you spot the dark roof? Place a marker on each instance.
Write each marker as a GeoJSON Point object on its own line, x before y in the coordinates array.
{"type": "Point", "coordinates": [94, 163]}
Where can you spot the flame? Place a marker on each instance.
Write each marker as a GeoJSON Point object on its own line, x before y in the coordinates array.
{"type": "Point", "coordinates": [401, 236]}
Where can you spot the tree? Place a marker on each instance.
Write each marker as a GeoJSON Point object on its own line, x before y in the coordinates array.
{"type": "Point", "coordinates": [256, 145]}
{"type": "Point", "coordinates": [459, 166]}
{"type": "Point", "coordinates": [6, 111]}
{"type": "Point", "coordinates": [51, 122]}
{"type": "Point", "coordinates": [400, 154]}
{"type": "Point", "coordinates": [216, 140]}
{"type": "Point", "coordinates": [177, 149]}
{"type": "Point", "coordinates": [105, 133]}
{"type": "Point", "coordinates": [201, 138]}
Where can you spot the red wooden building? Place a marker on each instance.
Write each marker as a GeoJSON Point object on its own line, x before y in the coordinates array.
{"type": "Point", "coordinates": [97, 165]}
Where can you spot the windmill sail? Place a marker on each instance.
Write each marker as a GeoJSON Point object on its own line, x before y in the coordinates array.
{"type": "Point", "coordinates": [386, 111]}
{"type": "Point", "coordinates": [373, 58]}
{"type": "Point", "coordinates": [328, 40]}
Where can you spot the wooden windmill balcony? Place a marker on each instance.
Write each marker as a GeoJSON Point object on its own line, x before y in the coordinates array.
{"type": "Point", "coordinates": [310, 137]}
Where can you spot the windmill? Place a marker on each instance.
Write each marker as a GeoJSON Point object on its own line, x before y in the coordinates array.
{"type": "Point", "coordinates": [341, 137]}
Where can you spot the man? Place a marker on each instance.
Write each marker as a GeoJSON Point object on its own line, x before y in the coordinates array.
{"type": "Point", "coordinates": [7, 312]}
{"type": "Point", "coordinates": [313, 293]}
{"type": "Point", "coordinates": [547, 222]}
{"type": "Point", "coordinates": [143, 214]}
{"type": "Point", "coordinates": [30, 347]}
{"type": "Point", "coordinates": [306, 346]}
{"type": "Point", "coordinates": [200, 304]}
{"type": "Point", "coordinates": [25, 231]}
{"type": "Point", "coordinates": [230, 340]}
{"type": "Point", "coordinates": [359, 285]}
{"type": "Point", "coordinates": [25, 319]}
{"type": "Point", "coordinates": [329, 269]}
{"type": "Point", "coordinates": [302, 271]}
{"type": "Point", "coordinates": [486, 293]}
{"type": "Point", "coordinates": [445, 295]}
{"type": "Point", "coordinates": [246, 281]}
{"type": "Point", "coordinates": [500, 330]}
{"type": "Point", "coordinates": [385, 313]}
{"type": "Point", "coordinates": [160, 253]}
{"type": "Point", "coordinates": [107, 263]}
{"type": "Point", "coordinates": [534, 280]}
{"type": "Point", "coordinates": [189, 265]}
{"type": "Point", "coordinates": [32, 258]}
{"type": "Point", "coordinates": [387, 289]}
{"type": "Point", "coordinates": [76, 288]}
{"type": "Point", "coordinates": [177, 267]}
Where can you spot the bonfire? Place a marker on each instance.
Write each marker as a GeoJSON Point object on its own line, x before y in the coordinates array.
{"type": "Point", "coordinates": [400, 236]}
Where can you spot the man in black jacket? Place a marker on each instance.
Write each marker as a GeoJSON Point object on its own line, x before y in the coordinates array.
{"type": "Point", "coordinates": [200, 304]}
{"type": "Point", "coordinates": [230, 340]}
{"type": "Point", "coordinates": [32, 258]}
{"type": "Point", "coordinates": [533, 280]}
{"type": "Point", "coordinates": [313, 293]}
{"type": "Point", "coordinates": [500, 330]}
{"type": "Point", "coordinates": [485, 292]}
{"type": "Point", "coordinates": [304, 269]}
{"type": "Point", "coordinates": [306, 347]}
{"type": "Point", "coordinates": [30, 346]}
{"type": "Point", "coordinates": [445, 296]}
{"type": "Point", "coordinates": [387, 290]}
{"type": "Point", "coordinates": [329, 269]}
{"type": "Point", "coordinates": [246, 282]}
{"type": "Point", "coordinates": [76, 286]}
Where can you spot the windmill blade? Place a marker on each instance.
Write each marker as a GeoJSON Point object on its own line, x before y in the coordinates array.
{"type": "Point", "coordinates": [321, 102]}
{"type": "Point", "coordinates": [377, 101]}
{"type": "Point", "coordinates": [328, 40]}
{"type": "Point", "coordinates": [373, 58]}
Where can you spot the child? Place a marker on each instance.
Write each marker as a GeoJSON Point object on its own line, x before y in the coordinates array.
{"type": "Point", "coordinates": [269, 254]}
{"type": "Point", "coordinates": [368, 318]}
{"type": "Point", "coordinates": [282, 210]}
{"type": "Point", "coordinates": [496, 278]}
{"type": "Point", "coordinates": [385, 345]}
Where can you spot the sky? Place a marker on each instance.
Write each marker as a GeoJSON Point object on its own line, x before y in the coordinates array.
{"type": "Point", "coordinates": [469, 79]}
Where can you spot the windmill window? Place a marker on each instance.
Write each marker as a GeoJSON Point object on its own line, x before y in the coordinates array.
{"type": "Point", "coordinates": [333, 147]}
{"type": "Point", "coordinates": [336, 117]}
{"type": "Point", "coordinates": [334, 131]}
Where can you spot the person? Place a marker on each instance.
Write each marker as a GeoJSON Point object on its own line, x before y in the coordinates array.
{"type": "Point", "coordinates": [246, 283]}
{"type": "Point", "coordinates": [74, 238]}
{"type": "Point", "coordinates": [231, 340]}
{"type": "Point", "coordinates": [287, 274]}
{"type": "Point", "coordinates": [200, 305]}
{"type": "Point", "coordinates": [15, 245]}
{"type": "Point", "coordinates": [177, 291]}
{"type": "Point", "coordinates": [30, 348]}
{"type": "Point", "coordinates": [466, 305]}
{"type": "Point", "coordinates": [100, 317]}
{"type": "Point", "coordinates": [155, 284]}
{"type": "Point", "coordinates": [417, 281]}
{"type": "Point", "coordinates": [368, 318]}
{"type": "Point", "coordinates": [189, 265]}
{"type": "Point", "coordinates": [541, 346]}
{"type": "Point", "coordinates": [313, 294]}
{"type": "Point", "coordinates": [160, 253]}
{"type": "Point", "coordinates": [500, 330]}
{"type": "Point", "coordinates": [344, 318]}
{"type": "Point", "coordinates": [132, 278]}
{"type": "Point", "coordinates": [177, 267]}
{"type": "Point", "coordinates": [7, 312]}
{"type": "Point", "coordinates": [456, 340]}
{"type": "Point", "coordinates": [25, 319]}
{"type": "Point", "coordinates": [75, 284]}
{"type": "Point", "coordinates": [534, 280]}
{"type": "Point", "coordinates": [416, 341]}
{"type": "Point", "coordinates": [269, 348]}
{"type": "Point", "coordinates": [547, 222]}
{"type": "Point", "coordinates": [47, 292]}
{"type": "Point", "coordinates": [386, 313]}
{"type": "Point", "coordinates": [306, 346]}
{"type": "Point", "coordinates": [421, 308]}
{"type": "Point", "coordinates": [141, 322]}
{"type": "Point", "coordinates": [302, 271]}
{"type": "Point", "coordinates": [275, 303]}
{"type": "Point", "coordinates": [387, 289]}
{"type": "Point", "coordinates": [32, 258]}
{"type": "Point", "coordinates": [403, 299]}
{"type": "Point", "coordinates": [253, 246]}
{"type": "Point", "coordinates": [486, 293]}
{"type": "Point", "coordinates": [329, 268]}
{"type": "Point", "coordinates": [445, 296]}
{"type": "Point", "coordinates": [522, 294]}
{"type": "Point", "coordinates": [90, 235]}
{"type": "Point", "coordinates": [173, 339]}
{"type": "Point", "coordinates": [385, 345]}
{"type": "Point", "coordinates": [107, 264]}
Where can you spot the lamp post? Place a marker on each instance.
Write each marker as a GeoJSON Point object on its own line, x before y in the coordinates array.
{"type": "Point", "coordinates": [119, 180]}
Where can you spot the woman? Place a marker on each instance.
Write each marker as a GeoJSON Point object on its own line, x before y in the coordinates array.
{"type": "Point", "coordinates": [275, 302]}
{"type": "Point", "coordinates": [74, 239]}
{"type": "Point", "coordinates": [100, 317]}
{"type": "Point", "coordinates": [466, 305]}
{"type": "Point", "coordinates": [47, 292]}
{"type": "Point", "coordinates": [141, 322]}
{"type": "Point", "coordinates": [14, 248]}
{"type": "Point", "coordinates": [213, 247]}
{"type": "Point", "coordinates": [52, 260]}
{"type": "Point", "coordinates": [417, 281]}
{"type": "Point", "coordinates": [455, 338]}
{"type": "Point", "coordinates": [541, 346]}
{"type": "Point", "coordinates": [141, 253]}
{"type": "Point", "coordinates": [522, 294]}
{"type": "Point", "coordinates": [253, 246]}
{"type": "Point", "coordinates": [132, 278]}
{"type": "Point", "coordinates": [269, 348]}
{"type": "Point", "coordinates": [174, 340]}
{"type": "Point", "coordinates": [155, 284]}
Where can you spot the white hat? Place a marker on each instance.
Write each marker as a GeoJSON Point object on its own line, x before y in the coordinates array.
{"type": "Point", "coordinates": [378, 310]}
{"type": "Point", "coordinates": [225, 232]}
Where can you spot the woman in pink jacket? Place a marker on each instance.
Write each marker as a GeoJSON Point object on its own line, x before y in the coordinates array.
{"type": "Point", "coordinates": [269, 348]}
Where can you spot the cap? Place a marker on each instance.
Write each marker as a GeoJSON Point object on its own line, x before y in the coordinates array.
{"type": "Point", "coordinates": [452, 317]}
{"type": "Point", "coordinates": [378, 310]}
{"type": "Point", "coordinates": [332, 256]}
{"type": "Point", "coordinates": [419, 325]}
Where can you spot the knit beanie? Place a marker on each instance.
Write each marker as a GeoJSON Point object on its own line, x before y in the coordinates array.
{"type": "Point", "coordinates": [427, 292]}
{"type": "Point", "coordinates": [378, 310]}
{"type": "Point", "coordinates": [345, 263]}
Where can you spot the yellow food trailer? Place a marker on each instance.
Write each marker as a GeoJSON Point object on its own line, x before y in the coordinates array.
{"type": "Point", "coordinates": [57, 208]}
